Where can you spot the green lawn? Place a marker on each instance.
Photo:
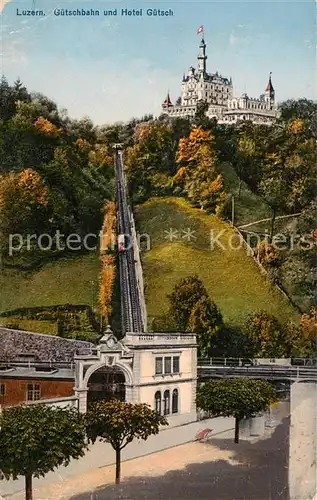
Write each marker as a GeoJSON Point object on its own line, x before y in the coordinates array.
{"type": "Point", "coordinates": [66, 281]}
{"type": "Point", "coordinates": [232, 278]}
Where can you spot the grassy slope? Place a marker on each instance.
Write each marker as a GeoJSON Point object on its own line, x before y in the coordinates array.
{"type": "Point", "coordinates": [66, 281]}
{"type": "Point", "coordinates": [231, 277]}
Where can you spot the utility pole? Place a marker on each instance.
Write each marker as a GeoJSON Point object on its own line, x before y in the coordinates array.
{"type": "Point", "coordinates": [92, 294]}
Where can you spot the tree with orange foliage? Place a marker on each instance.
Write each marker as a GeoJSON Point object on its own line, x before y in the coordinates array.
{"type": "Point", "coordinates": [309, 324]}
{"type": "Point", "coordinates": [150, 162]}
{"type": "Point", "coordinates": [197, 176]}
{"type": "Point", "coordinates": [108, 267]}
{"type": "Point", "coordinates": [46, 127]}
{"type": "Point", "coordinates": [302, 338]}
{"type": "Point", "coordinates": [107, 277]}
{"type": "Point", "coordinates": [23, 197]}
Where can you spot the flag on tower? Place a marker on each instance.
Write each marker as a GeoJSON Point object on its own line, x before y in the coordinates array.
{"type": "Point", "coordinates": [200, 30]}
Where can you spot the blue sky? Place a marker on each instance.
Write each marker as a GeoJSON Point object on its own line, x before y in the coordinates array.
{"type": "Point", "coordinates": [114, 68]}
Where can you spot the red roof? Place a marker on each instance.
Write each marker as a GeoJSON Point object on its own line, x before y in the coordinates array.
{"type": "Point", "coordinates": [167, 101]}
{"type": "Point", "coordinates": [269, 85]}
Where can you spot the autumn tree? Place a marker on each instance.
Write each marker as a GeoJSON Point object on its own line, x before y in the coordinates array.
{"type": "Point", "coordinates": [118, 423]}
{"type": "Point", "coordinates": [303, 337]}
{"type": "Point", "coordinates": [239, 398]}
{"type": "Point", "coordinates": [23, 200]}
{"type": "Point", "coordinates": [108, 268]}
{"type": "Point", "coordinates": [267, 336]}
{"type": "Point", "coordinates": [266, 253]}
{"type": "Point", "coordinates": [197, 176]}
{"type": "Point", "coordinates": [150, 162]}
{"type": "Point", "coordinates": [37, 439]}
{"type": "Point", "coordinates": [303, 109]}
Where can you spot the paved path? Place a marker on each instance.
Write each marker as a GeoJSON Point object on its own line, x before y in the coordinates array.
{"type": "Point", "coordinates": [255, 469]}
{"type": "Point", "coordinates": [101, 454]}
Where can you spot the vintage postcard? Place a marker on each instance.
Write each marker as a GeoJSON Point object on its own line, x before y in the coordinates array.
{"type": "Point", "coordinates": [158, 309]}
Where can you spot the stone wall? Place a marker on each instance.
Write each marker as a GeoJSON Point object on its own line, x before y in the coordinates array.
{"type": "Point", "coordinates": [15, 343]}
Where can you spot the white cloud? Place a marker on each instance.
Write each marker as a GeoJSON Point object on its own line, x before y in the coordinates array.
{"type": "Point", "coordinates": [12, 53]}
{"type": "Point", "coordinates": [235, 39]}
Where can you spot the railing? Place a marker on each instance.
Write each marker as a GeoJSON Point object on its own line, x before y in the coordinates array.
{"type": "Point", "coordinates": [275, 362]}
{"type": "Point", "coordinates": [269, 371]}
{"type": "Point", "coordinates": [165, 337]}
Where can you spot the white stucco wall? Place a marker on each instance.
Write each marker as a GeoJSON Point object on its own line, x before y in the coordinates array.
{"type": "Point", "coordinates": [147, 363]}
{"type": "Point", "coordinates": [303, 441]}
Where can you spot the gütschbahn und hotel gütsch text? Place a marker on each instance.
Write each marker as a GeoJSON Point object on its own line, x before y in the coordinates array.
{"type": "Point", "coordinates": [95, 12]}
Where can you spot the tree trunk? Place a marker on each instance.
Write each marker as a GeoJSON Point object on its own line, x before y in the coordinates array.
{"type": "Point", "coordinates": [240, 186]}
{"type": "Point", "coordinates": [236, 430]}
{"type": "Point", "coordinates": [272, 225]}
{"type": "Point", "coordinates": [28, 487]}
{"type": "Point", "coordinates": [118, 465]}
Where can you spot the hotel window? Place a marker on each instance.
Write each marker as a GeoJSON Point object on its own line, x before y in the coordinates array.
{"type": "Point", "coordinates": [33, 392]}
{"type": "Point", "coordinates": [166, 402]}
{"type": "Point", "coordinates": [157, 402]}
{"type": "Point", "coordinates": [167, 365]}
{"type": "Point", "coordinates": [2, 389]}
{"type": "Point", "coordinates": [158, 366]}
{"type": "Point", "coordinates": [175, 364]}
{"type": "Point", "coordinates": [175, 401]}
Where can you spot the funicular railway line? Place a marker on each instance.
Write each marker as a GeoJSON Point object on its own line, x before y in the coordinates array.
{"type": "Point", "coordinates": [130, 298]}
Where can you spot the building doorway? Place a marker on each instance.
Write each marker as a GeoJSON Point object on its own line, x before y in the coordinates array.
{"type": "Point", "coordinates": [105, 384]}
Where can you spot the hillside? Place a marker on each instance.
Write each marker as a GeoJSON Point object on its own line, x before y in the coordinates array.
{"type": "Point", "coordinates": [248, 206]}
{"type": "Point", "coordinates": [231, 277]}
{"type": "Point", "coordinates": [67, 281]}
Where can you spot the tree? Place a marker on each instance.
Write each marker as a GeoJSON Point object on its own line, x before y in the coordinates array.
{"type": "Point", "coordinates": [206, 321]}
{"type": "Point", "coordinates": [267, 336]}
{"type": "Point", "coordinates": [238, 398]}
{"type": "Point", "coordinates": [36, 439]}
{"type": "Point", "coordinates": [150, 161]}
{"type": "Point", "coordinates": [23, 199]}
{"type": "Point", "coordinates": [267, 254]}
{"type": "Point", "coordinates": [184, 297]}
{"type": "Point", "coordinates": [273, 186]}
{"type": "Point", "coordinates": [118, 423]}
{"type": "Point", "coordinates": [191, 310]}
{"type": "Point", "coordinates": [197, 176]}
{"type": "Point", "coordinates": [200, 118]}
{"type": "Point", "coordinates": [304, 109]}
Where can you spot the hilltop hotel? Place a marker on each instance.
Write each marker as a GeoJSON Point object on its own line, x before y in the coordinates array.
{"type": "Point", "coordinates": [217, 92]}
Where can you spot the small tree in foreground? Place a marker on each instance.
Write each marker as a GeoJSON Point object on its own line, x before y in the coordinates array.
{"type": "Point", "coordinates": [118, 423]}
{"type": "Point", "coordinates": [36, 439]}
{"type": "Point", "coordinates": [239, 398]}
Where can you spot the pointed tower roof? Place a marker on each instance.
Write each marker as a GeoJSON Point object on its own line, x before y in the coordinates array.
{"type": "Point", "coordinates": [269, 85]}
{"type": "Point", "coordinates": [167, 101]}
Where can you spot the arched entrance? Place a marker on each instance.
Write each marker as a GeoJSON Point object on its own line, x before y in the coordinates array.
{"type": "Point", "coordinates": [108, 382]}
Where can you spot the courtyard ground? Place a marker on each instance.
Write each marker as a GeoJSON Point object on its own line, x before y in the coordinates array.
{"type": "Point", "coordinates": [254, 469]}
